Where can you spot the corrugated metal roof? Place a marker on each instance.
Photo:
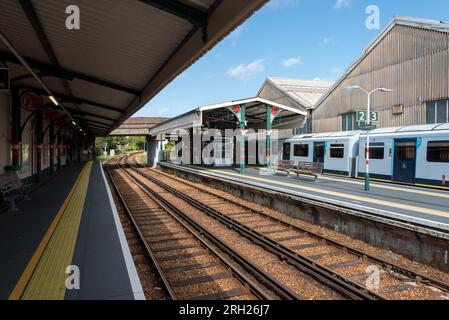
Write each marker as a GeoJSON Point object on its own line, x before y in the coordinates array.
{"type": "Point", "coordinates": [417, 128]}
{"type": "Point", "coordinates": [425, 24]}
{"type": "Point", "coordinates": [255, 112]}
{"type": "Point", "coordinates": [125, 51]}
{"type": "Point", "coordinates": [325, 135]}
{"type": "Point", "coordinates": [305, 92]}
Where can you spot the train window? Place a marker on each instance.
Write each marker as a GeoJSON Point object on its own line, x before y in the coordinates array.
{"type": "Point", "coordinates": [337, 151]}
{"type": "Point", "coordinates": [301, 150]}
{"type": "Point", "coordinates": [377, 151]}
{"type": "Point", "coordinates": [405, 152]}
{"type": "Point", "coordinates": [438, 151]}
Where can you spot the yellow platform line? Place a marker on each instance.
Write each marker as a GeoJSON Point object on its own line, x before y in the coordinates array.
{"type": "Point", "coordinates": [44, 277]}
{"type": "Point", "coordinates": [396, 205]}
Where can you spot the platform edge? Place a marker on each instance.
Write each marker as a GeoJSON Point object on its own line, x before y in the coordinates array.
{"type": "Point", "coordinates": [130, 266]}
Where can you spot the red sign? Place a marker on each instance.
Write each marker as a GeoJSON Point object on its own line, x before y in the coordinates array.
{"type": "Point", "coordinates": [30, 100]}
{"type": "Point", "coordinates": [274, 111]}
{"type": "Point", "coordinates": [236, 109]}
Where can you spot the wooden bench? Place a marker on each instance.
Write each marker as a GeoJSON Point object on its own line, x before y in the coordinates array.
{"type": "Point", "coordinates": [11, 188]}
{"type": "Point", "coordinates": [285, 166]}
{"type": "Point", "coordinates": [309, 168]}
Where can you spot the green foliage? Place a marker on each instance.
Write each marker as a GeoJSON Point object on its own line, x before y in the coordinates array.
{"type": "Point", "coordinates": [119, 144]}
{"type": "Point", "coordinates": [169, 147]}
{"type": "Point", "coordinates": [15, 168]}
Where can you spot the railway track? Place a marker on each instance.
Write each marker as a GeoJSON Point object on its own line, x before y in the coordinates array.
{"type": "Point", "coordinates": [330, 262]}
{"type": "Point", "coordinates": [190, 262]}
{"type": "Point", "coordinates": [306, 276]}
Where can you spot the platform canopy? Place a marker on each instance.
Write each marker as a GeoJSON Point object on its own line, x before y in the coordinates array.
{"type": "Point", "coordinates": [222, 116]}
{"type": "Point", "coordinates": [137, 126]}
{"type": "Point", "coordinates": [124, 53]}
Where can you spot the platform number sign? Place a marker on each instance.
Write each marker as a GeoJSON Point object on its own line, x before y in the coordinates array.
{"type": "Point", "coordinates": [362, 116]}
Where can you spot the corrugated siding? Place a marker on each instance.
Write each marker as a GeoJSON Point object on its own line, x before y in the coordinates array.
{"type": "Point", "coordinates": [269, 92]}
{"type": "Point", "coordinates": [413, 62]}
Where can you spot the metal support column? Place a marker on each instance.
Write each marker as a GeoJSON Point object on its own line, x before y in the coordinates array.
{"type": "Point", "coordinates": [39, 144]}
{"type": "Point", "coordinates": [52, 147]}
{"type": "Point", "coordinates": [268, 139]}
{"type": "Point", "coordinates": [242, 139]}
{"type": "Point", "coordinates": [59, 137]}
{"type": "Point", "coordinates": [16, 128]}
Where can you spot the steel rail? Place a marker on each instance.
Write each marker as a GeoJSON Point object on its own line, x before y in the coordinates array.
{"type": "Point", "coordinates": [326, 276]}
{"type": "Point", "coordinates": [389, 266]}
{"type": "Point", "coordinates": [199, 232]}
{"type": "Point", "coordinates": [166, 284]}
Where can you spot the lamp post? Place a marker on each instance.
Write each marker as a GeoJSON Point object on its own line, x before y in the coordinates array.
{"type": "Point", "coordinates": [368, 122]}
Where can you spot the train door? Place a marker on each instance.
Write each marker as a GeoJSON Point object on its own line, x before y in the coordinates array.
{"type": "Point", "coordinates": [318, 152]}
{"type": "Point", "coordinates": [404, 167]}
{"type": "Point", "coordinates": [286, 151]}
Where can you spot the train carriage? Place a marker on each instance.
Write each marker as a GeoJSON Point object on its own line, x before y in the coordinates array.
{"type": "Point", "coordinates": [414, 154]}
{"type": "Point", "coordinates": [337, 150]}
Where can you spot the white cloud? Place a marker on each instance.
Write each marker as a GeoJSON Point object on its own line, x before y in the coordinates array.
{"type": "Point", "coordinates": [236, 35]}
{"type": "Point", "coordinates": [245, 71]}
{"type": "Point", "coordinates": [326, 40]}
{"type": "Point", "coordinates": [291, 62]}
{"type": "Point", "coordinates": [282, 3]}
{"type": "Point", "coordinates": [342, 3]}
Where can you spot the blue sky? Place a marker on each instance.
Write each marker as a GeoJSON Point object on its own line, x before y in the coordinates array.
{"type": "Point", "coordinates": [304, 39]}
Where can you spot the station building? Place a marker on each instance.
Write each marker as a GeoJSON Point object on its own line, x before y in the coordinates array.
{"type": "Point", "coordinates": [411, 57]}
{"type": "Point", "coordinates": [295, 93]}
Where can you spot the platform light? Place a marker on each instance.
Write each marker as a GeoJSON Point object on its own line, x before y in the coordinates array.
{"type": "Point", "coordinates": [368, 122]}
{"type": "Point", "coordinates": [74, 123]}
{"type": "Point", "coordinates": [53, 99]}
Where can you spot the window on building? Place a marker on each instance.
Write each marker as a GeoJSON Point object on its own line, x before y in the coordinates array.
{"type": "Point", "coordinates": [438, 151]}
{"type": "Point", "coordinates": [337, 151]}
{"type": "Point", "coordinates": [349, 123]}
{"type": "Point", "coordinates": [301, 150]}
{"type": "Point", "coordinates": [437, 111]}
{"type": "Point", "coordinates": [377, 151]}
{"type": "Point", "coordinates": [304, 130]}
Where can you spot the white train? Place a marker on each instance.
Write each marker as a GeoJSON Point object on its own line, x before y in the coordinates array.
{"type": "Point", "coordinates": [414, 155]}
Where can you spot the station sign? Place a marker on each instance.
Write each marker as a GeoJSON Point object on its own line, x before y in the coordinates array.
{"type": "Point", "coordinates": [362, 116]}
{"type": "Point", "coordinates": [4, 79]}
{"type": "Point", "coordinates": [368, 127]}
{"type": "Point", "coordinates": [30, 100]}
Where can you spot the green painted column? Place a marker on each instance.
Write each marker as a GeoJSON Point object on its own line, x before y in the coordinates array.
{"type": "Point", "coordinates": [242, 139]}
{"type": "Point", "coordinates": [268, 142]}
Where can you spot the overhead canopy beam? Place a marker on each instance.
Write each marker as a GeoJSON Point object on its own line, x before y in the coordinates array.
{"type": "Point", "coordinates": [181, 10]}
{"type": "Point", "coordinates": [91, 121]}
{"type": "Point", "coordinates": [40, 33]}
{"type": "Point", "coordinates": [70, 99]}
{"type": "Point", "coordinates": [93, 124]}
{"type": "Point", "coordinates": [90, 114]}
{"type": "Point", "coordinates": [58, 72]}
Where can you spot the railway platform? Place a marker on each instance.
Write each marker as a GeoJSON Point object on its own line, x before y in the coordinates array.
{"type": "Point", "coordinates": [421, 206]}
{"type": "Point", "coordinates": [67, 242]}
